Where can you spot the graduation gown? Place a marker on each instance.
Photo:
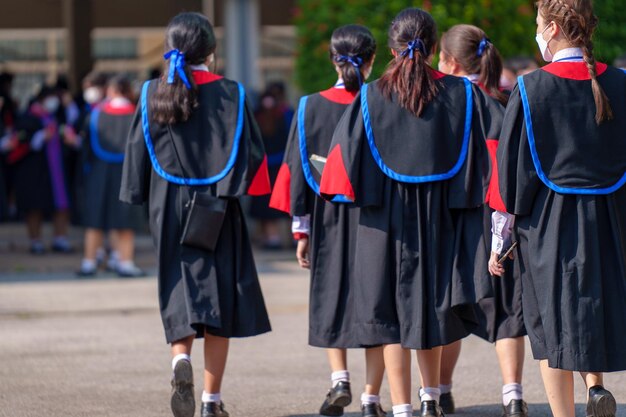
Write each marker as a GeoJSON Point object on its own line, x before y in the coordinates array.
{"type": "Point", "coordinates": [499, 299]}
{"type": "Point", "coordinates": [103, 154]}
{"type": "Point", "coordinates": [420, 184]}
{"type": "Point", "coordinates": [218, 151]}
{"type": "Point", "coordinates": [333, 226]}
{"type": "Point", "coordinates": [561, 175]}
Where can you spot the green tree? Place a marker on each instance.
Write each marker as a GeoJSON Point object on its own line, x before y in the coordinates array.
{"type": "Point", "coordinates": [510, 24]}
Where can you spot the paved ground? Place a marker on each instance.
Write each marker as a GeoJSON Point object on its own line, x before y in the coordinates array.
{"type": "Point", "coordinates": [95, 348]}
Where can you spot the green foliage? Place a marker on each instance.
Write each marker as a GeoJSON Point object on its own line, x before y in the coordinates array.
{"type": "Point", "coordinates": [510, 24]}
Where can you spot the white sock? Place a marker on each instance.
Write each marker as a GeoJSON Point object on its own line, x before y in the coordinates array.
{"type": "Point", "coordinates": [126, 265]}
{"type": "Point", "coordinates": [430, 394]}
{"type": "Point", "coordinates": [211, 398]}
{"type": "Point", "coordinates": [512, 392]}
{"type": "Point", "coordinates": [88, 264]}
{"type": "Point", "coordinates": [445, 389]}
{"type": "Point", "coordinates": [370, 399]}
{"type": "Point", "coordinates": [402, 410]}
{"type": "Point", "coordinates": [178, 357]}
{"type": "Point", "coordinates": [339, 376]}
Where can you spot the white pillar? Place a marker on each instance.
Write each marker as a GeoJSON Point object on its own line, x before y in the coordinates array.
{"type": "Point", "coordinates": [241, 36]}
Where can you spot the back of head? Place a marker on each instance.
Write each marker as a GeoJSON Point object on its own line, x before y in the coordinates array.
{"type": "Point", "coordinates": [189, 40]}
{"type": "Point", "coordinates": [412, 37]}
{"type": "Point", "coordinates": [351, 48]}
{"type": "Point", "coordinates": [520, 64]}
{"type": "Point", "coordinates": [121, 85]}
{"type": "Point", "coordinates": [476, 54]}
{"type": "Point", "coordinates": [578, 23]}
{"type": "Point", "coordinates": [620, 62]}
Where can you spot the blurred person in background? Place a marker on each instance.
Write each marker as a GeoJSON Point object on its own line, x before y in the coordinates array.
{"type": "Point", "coordinates": [41, 180]}
{"type": "Point", "coordinates": [103, 154]}
{"type": "Point", "coordinates": [514, 67]}
{"type": "Point", "coordinates": [620, 62]}
{"type": "Point", "coordinates": [8, 143]}
{"type": "Point", "coordinates": [273, 120]}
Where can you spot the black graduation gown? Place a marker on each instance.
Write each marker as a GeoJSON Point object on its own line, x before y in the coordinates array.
{"type": "Point", "coordinates": [499, 302]}
{"type": "Point", "coordinates": [218, 291]}
{"type": "Point", "coordinates": [333, 226]}
{"type": "Point", "coordinates": [103, 154]}
{"type": "Point", "coordinates": [561, 175]}
{"type": "Point", "coordinates": [420, 184]}
{"type": "Point", "coordinates": [42, 176]}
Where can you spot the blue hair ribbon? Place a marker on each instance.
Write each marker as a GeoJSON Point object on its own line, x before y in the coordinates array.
{"type": "Point", "coordinates": [415, 45]}
{"type": "Point", "coordinates": [482, 46]}
{"type": "Point", "coordinates": [177, 66]}
{"type": "Point", "coordinates": [355, 61]}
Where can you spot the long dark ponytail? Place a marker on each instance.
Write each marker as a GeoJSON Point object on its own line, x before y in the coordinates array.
{"type": "Point", "coordinates": [351, 48]}
{"type": "Point", "coordinates": [190, 35]}
{"type": "Point", "coordinates": [471, 48]}
{"type": "Point", "coordinates": [413, 36]}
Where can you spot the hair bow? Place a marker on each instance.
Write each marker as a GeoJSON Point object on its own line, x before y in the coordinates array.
{"type": "Point", "coordinates": [177, 65]}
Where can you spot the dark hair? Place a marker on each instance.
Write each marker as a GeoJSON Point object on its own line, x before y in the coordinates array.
{"type": "Point", "coordinates": [122, 85]}
{"type": "Point", "coordinates": [520, 63]}
{"type": "Point", "coordinates": [620, 61]}
{"type": "Point", "coordinates": [577, 22]}
{"type": "Point", "coordinates": [192, 35]}
{"type": "Point", "coordinates": [352, 43]}
{"type": "Point", "coordinates": [96, 79]}
{"type": "Point", "coordinates": [413, 35]}
{"type": "Point", "coordinates": [471, 48]}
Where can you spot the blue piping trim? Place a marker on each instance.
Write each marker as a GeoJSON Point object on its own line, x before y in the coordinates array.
{"type": "Point", "coordinates": [424, 178]}
{"type": "Point", "coordinates": [533, 152]}
{"type": "Point", "coordinates": [304, 155]}
{"type": "Point", "coordinates": [94, 139]}
{"type": "Point", "coordinates": [190, 181]}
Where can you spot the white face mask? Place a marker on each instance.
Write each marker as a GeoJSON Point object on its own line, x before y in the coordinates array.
{"type": "Point", "coordinates": [543, 46]}
{"type": "Point", "coordinates": [51, 104]}
{"type": "Point", "coordinates": [92, 95]}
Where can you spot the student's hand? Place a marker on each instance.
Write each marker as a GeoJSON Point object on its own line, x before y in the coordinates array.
{"type": "Point", "coordinates": [70, 137]}
{"type": "Point", "coordinates": [494, 267]}
{"type": "Point", "coordinates": [302, 253]}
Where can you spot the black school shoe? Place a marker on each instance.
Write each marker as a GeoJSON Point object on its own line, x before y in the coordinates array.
{"type": "Point", "coordinates": [446, 402]}
{"type": "Point", "coordinates": [372, 410]}
{"type": "Point", "coordinates": [516, 408]}
{"type": "Point", "coordinates": [431, 409]}
{"type": "Point", "coordinates": [213, 410]}
{"type": "Point", "coordinates": [601, 402]}
{"type": "Point", "coordinates": [182, 402]}
{"type": "Point", "coordinates": [336, 400]}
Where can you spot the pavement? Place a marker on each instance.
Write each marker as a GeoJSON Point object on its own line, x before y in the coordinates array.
{"type": "Point", "coordinates": [95, 347]}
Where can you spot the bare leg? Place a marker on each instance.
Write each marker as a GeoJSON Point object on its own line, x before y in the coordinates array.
{"type": "Point", "coordinates": [61, 222]}
{"type": "Point", "coordinates": [182, 346]}
{"type": "Point", "coordinates": [398, 365]}
{"type": "Point", "coordinates": [511, 358]}
{"type": "Point", "coordinates": [429, 362]}
{"type": "Point", "coordinates": [374, 370]}
{"type": "Point", "coordinates": [449, 358]}
{"type": "Point", "coordinates": [93, 240]}
{"type": "Point", "coordinates": [124, 243]}
{"type": "Point", "coordinates": [338, 359]}
{"type": "Point", "coordinates": [34, 219]}
{"type": "Point", "coordinates": [215, 355]}
{"type": "Point", "coordinates": [559, 386]}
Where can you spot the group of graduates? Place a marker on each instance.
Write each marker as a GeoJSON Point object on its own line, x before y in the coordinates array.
{"type": "Point", "coordinates": [63, 161]}
{"type": "Point", "coordinates": [428, 204]}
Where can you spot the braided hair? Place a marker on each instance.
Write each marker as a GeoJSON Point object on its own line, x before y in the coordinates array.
{"type": "Point", "coordinates": [578, 23]}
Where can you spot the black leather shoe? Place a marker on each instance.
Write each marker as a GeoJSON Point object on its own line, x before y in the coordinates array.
{"type": "Point", "coordinates": [431, 409]}
{"type": "Point", "coordinates": [182, 402]}
{"type": "Point", "coordinates": [372, 410]}
{"type": "Point", "coordinates": [601, 402]}
{"type": "Point", "coordinates": [336, 400]}
{"type": "Point", "coordinates": [446, 402]}
{"type": "Point", "coordinates": [516, 408]}
{"type": "Point", "coordinates": [213, 410]}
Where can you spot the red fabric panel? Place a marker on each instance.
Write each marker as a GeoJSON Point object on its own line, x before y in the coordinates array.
{"type": "Point", "coordinates": [573, 70]}
{"type": "Point", "coordinates": [339, 95]}
{"type": "Point", "coordinates": [119, 111]}
{"type": "Point", "coordinates": [335, 180]}
{"type": "Point", "coordinates": [205, 77]}
{"type": "Point", "coordinates": [493, 198]}
{"type": "Point", "coordinates": [281, 194]}
{"type": "Point", "coordinates": [260, 184]}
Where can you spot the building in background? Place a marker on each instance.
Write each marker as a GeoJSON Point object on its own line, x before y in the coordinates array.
{"type": "Point", "coordinates": [42, 39]}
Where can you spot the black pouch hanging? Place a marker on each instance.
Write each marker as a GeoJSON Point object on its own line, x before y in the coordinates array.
{"type": "Point", "coordinates": [205, 216]}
